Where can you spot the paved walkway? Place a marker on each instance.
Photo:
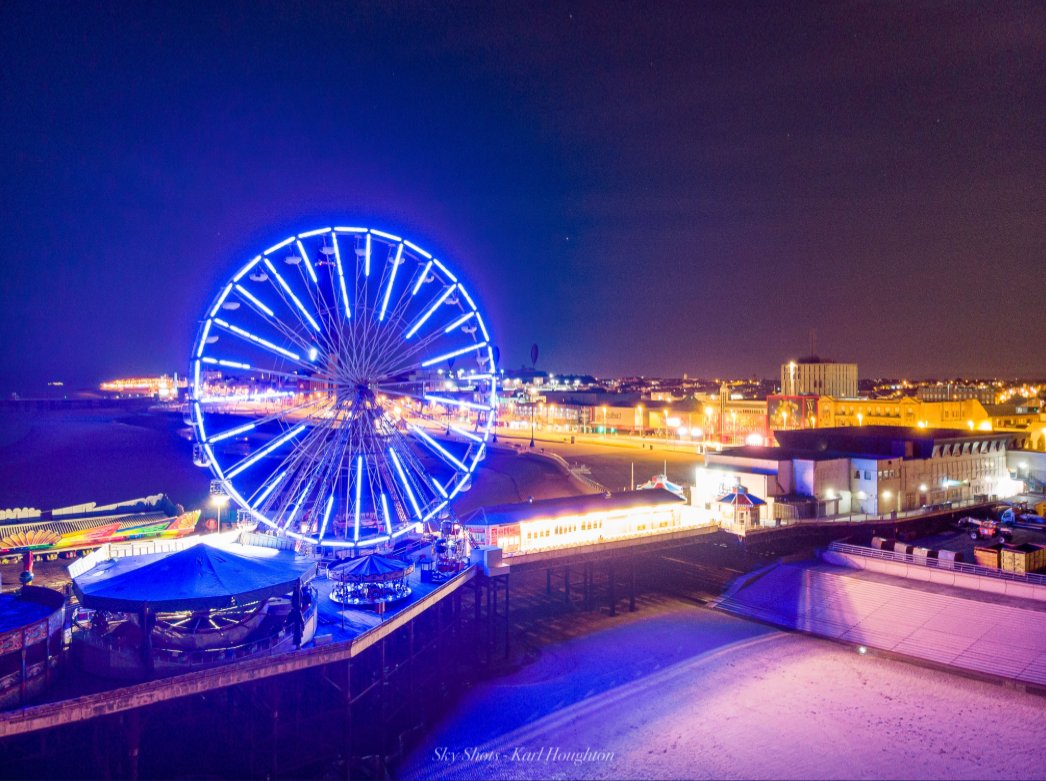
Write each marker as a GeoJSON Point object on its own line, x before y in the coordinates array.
{"type": "Point", "coordinates": [982, 633]}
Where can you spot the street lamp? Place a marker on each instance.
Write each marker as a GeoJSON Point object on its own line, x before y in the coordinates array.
{"type": "Point", "coordinates": [219, 501]}
{"type": "Point", "coordinates": [604, 421]}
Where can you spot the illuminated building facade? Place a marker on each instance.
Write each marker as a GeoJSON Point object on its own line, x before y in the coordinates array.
{"type": "Point", "coordinates": [164, 388]}
{"type": "Point", "coordinates": [529, 527]}
{"type": "Point", "coordinates": [873, 470]}
{"type": "Point", "coordinates": [954, 391]}
{"type": "Point", "coordinates": [816, 377]}
{"type": "Point", "coordinates": [969, 414]}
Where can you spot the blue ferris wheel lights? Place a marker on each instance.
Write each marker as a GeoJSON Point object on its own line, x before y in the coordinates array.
{"type": "Point", "coordinates": [459, 322]}
{"type": "Point", "coordinates": [455, 354]}
{"type": "Point", "coordinates": [429, 312]}
{"type": "Point", "coordinates": [233, 432]}
{"type": "Point", "coordinates": [466, 434]}
{"type": "Point", "coordinates": [341, 276]}
{"type": "Point", "coordinates": [418, 249]}
{"type": "Point", "coordinates": [269, 488]}
{"type": "Point", "coordinates": [243, 271]}
{"type": "Point", "coordinates": [254, 300]}
{"type": "Point", "coordinates": [275, 247]}
{"type": "Point", "coordinates": [308, 263]}
{"type": "Point", "coordinates": [266, 450]}
{"type": "Point", "coordinates": [421, 279]}
{"type": "Point", "coordinates": [403, 481]}
{"type": "Point", "coordinates": [326, 517]}
{"type": "Point", "coordinates": [439, 448]}
{"type": "Point", "coordinates": [392, 280]}
{"type": "Point", "coordinates": [359, 487]}
{"type": "Point", "coordinates": [385, 513]}
{"type": "Point", "coordinates": [289, 292]}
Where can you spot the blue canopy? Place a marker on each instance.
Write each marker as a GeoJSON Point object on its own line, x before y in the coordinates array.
{"type": "Point", "coordinates": [197, 578]}
{"type": "Point", "coordinates": [372, 568]}
{"type": "Point", "coordinates": [740, 497]}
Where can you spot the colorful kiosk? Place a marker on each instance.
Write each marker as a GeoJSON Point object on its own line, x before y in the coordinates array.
{"type": "Point", "coordinates": [31, 644]}
{"type": "Point", "coordinates": [740, 507]}
{"type": "Point", "coordinates": [162, 614]}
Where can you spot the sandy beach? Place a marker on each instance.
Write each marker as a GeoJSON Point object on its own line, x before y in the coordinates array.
{"type": "Point", "coordinates": [685, 692]}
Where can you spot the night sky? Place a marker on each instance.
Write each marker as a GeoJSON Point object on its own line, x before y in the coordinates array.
{"type": "Point", "coordinates": [638, 188]}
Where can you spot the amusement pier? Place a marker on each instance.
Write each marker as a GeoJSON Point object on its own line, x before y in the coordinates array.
{"type": "Point", "coordinates": [344, 393]}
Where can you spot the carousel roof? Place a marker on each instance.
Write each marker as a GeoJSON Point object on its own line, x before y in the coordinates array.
{"type": "Point", "coordinates": [197, 578]}
{"type": "Point", "coordinates": [372, 568]}
{"type": "Point", "coordinates": [739, 497]}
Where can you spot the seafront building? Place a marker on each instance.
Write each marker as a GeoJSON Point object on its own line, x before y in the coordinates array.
{"type": "Point", "coordinates": [813, 376]}
{"type": "Point", "coordinates": [873, 470]}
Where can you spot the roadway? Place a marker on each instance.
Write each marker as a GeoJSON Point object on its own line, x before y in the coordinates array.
{"type": "Point", "coordinates": [612, 459]}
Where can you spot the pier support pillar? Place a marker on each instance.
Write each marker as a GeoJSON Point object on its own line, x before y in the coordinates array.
{"type": "Point", "coordinates": [508, 623]}
{"type": "Point", "coordinates": [132, 728]}
{"type": "Point", "coordinates": [613, 596]}
{"type": "Point", "coordinates": [631, 585]}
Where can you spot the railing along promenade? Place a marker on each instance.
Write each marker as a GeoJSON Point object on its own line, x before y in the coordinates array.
{"type": "Point", "coordinates": [924, 561]}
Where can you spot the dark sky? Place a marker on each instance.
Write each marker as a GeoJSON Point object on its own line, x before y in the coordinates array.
{"type": "Point", "coordinates": [637, 187]}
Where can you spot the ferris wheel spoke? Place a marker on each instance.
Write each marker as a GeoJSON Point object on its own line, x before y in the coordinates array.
{"type": "Point", "coordinates": [315, 293]}
{"type": "Point", "coordinates": [420, 478]}
{"type": "Point", "coordinates": [390, 282]}
{"type": "Point", "coordinates": [253, 459]}
{"type": "Point", "coordinates": [408, 358]}
{"type": "Point", "coordinates": [437, 448]}
{"type": "Point", "coordinates": [305, 465]}
{"type": "Point", "coordinates": [291, 300]}
{"type": "Point", "coordinates": [308, 323]}
{"type": "Point", "coordinates": [282, 414]}
{"type": "Point", "coordinates": [265, 344]}
{"type": "Point", "coordinates": [289, 334]}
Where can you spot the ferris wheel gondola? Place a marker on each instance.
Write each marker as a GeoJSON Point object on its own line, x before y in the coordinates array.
{"type": "Point", "coordinates": [313, 396]}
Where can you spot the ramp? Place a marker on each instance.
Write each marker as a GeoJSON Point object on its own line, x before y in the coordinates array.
{"type": "Point", "coordinates": [987, 634]}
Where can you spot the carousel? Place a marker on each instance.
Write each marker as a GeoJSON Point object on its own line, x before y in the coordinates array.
{"type": "Point", "coordinates": [161, 614]}
{"type": "Point", "coordinates": [370, 580]}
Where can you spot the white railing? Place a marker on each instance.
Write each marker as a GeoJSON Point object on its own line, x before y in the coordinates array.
{"type": "Point", "coordinates": [595, 486]}
{"type": "Point", "coordinates": [948, 564]}
{"type": "Point", "coordinates": [118, 550]}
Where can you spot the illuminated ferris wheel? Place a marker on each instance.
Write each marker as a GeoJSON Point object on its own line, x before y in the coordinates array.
{"type": "Point", "coordinates": [323, 393]}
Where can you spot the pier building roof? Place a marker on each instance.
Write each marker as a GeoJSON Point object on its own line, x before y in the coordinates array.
{"type": "Point", "coordinates": [568, 506]}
